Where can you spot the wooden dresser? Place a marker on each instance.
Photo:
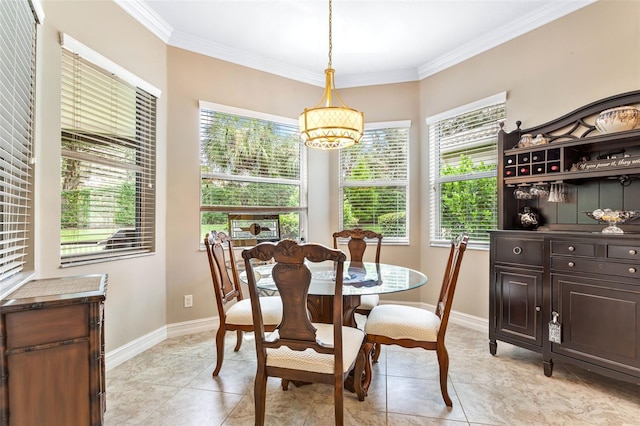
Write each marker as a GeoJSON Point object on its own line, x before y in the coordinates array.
{"type": "Point", "coordinates": [52, 352]}
{"type": "Point", "coordinates": [565, 288]}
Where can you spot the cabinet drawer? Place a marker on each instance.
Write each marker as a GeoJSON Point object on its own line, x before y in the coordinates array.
{"type": "Point", "coordinates": [573, 249]}
{"type": "Point", "coordinates": [519, 251]}
{"type": "Point", "coordinates": [41, 326]}
{"type": "Point", "coordinates": [623, 252]}
{"type": "Point", "coordinates": [594, 267]}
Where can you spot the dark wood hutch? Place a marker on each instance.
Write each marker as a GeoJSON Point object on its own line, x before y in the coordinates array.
{"type": "Point", "coordinates": [567, 268]}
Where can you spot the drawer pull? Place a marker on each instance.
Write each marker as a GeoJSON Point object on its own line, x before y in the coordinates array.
{"type": "Point", "coordinates": [571, 264]}
{"type": "Point", "coordinates": [633, 252]}
{"type": "Point", "coordinates": [538, 309]}
{"type": "Point", "coordinates": [517, 250]}
{"type": "Point", "coordinates": [632, 270]}
{"type": "Point", "coordinates": [572, 248]}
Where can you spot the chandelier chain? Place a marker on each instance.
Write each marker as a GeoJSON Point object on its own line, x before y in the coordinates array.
{"type": "Point", "coordinates": [330, 38]}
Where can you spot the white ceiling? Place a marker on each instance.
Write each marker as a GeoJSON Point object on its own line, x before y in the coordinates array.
{"type": "Point", "coordinates": [374, 42]}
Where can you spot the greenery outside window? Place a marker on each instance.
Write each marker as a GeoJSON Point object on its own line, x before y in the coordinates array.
{"type": "Point", "coordinates": [108, 139]}
{"type": "Point", "coordinates": [374, 183]}
{"type": "Point", "coordinates": [463, 162]}
{"type": "Point", "coordinates": [253, 172]}
{"type": "Point", "coordinates": [18, 27]}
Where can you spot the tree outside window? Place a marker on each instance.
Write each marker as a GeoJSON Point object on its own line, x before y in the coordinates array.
{"type": "Point", "coordinates": [374, 182]}
{"type": "Point", "coordinates": [463, 161]}
{"type": "Point", "coordinates": [252, 167]}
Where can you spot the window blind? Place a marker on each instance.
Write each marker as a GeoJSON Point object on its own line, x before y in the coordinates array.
{"type": "Point", "coordinates": [17, 94]}
{"type": "Point", "coordinates": [250, 163]}
{"type": "Point", "coordinates": [374, 184]}
{"type": "Point", "coordinates": [463, 162]}
{"type": "Point", "coordinates": [108, 164]}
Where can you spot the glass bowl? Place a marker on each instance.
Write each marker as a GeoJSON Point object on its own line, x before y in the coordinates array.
{"type": "Point", "coordinates": [613, 218]}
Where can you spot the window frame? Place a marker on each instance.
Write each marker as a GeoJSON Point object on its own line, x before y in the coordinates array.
{"type": "Point", "coordinates": [125, 242]}
{"type": "Point", "coordinates": [399, 124]}
{"type": "Point", "coordinates": [435, 179]}
{"type": "Point", "coordinates": [302, 182]}
{"type": "Point", "coordinates": [17, 137]}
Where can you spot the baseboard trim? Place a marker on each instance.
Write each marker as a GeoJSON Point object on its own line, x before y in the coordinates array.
{"type": "Point", "coordinates": [135, 347]}
{"type": "Point", "coordinates": [141, 344]}
{"type": "Point", "coordinates": [126, 352]}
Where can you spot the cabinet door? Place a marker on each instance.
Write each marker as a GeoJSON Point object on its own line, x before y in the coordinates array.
{"type": "Point", "coordinates": [50, 386]}
{"type": "Point", "coordinates": [600, 321]}
{"type": "Point", "coordinates": [518, 303]}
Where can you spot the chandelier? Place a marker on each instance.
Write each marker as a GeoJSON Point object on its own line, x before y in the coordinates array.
{"type": "Point", "coordinates": [329, 126]}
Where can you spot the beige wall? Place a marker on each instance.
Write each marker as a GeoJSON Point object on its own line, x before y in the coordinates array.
{"type": "Point", "coordinates": [136, 293]}
{"type": "Point", "coordinates": [585, 56]}
{"type": "Point", "coordinates": [588, 55]}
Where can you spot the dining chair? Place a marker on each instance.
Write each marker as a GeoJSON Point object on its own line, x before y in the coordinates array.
{"type": "Point", "coordinates": [299, 350]}
{"type": "Point", "coordinates": [412, 327]}
{"type": "Point", "coordinates": [357, 246]}
{"type": "Point", "coordinates": [234, 310]}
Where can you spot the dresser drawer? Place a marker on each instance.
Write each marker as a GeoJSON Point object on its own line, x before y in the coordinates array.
{"type": "Point", "coordinates": [623, 252]}
{"type": "Point", "coordinates": [519, 251]}
{"type": "Point", "coordinates": [573, 249]}
{"type": "Point", "coordinates": [42, 326]}
{"type": "Point", "coordinates": [578, 265]}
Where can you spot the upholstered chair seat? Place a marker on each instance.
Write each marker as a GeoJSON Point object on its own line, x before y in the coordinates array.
{"type": "Point", "coordinates": [240, 312]}
{"type": "Point", "coordinates": [403, 322]}
{"type": "Point", "coordinates": [310, 360]}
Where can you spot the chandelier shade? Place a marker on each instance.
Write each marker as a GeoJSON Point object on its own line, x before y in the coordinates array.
{"type": "Point", "coordinates": [328, 126]}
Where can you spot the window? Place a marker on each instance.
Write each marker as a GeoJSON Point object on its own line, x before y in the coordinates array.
{"type": "Point", "coordinates": [108, 122]}
{"type": "Point", "coordinates": [253, 175]}
{"type": "Point", "coordinates": [463, 161]}
{"type": "Point", "coordinates": [374, 184]}
{"type": "Point", "coordinates": [17, 96]}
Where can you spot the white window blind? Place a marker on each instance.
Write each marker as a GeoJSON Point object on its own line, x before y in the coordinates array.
{"type": "Point", "coordinates": [251, 164]}
{"type": "Point", "coordinates": [463, 161]}
{"type": "Point", "coordinates": [374, 182]}
{"type": "Point", "coordinates": [17, 94]}
{"type": "Point", "coordinates": [108, 164]}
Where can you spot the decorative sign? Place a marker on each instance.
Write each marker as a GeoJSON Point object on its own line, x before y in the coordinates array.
{"type": "Point", "coordinates": [610, 163]}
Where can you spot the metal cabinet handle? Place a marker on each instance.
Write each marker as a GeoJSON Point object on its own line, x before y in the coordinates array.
{"type": "Point", "coordinates": [538, 309]}
{"type": "Point", "coordinates": [572, 248]}
{"type": "Point", "coordinates": [517, 250]}
{"type": "Point", "coordinates": [571, 264]}
{"type": "Point", "coordinates": [633, 252]}
{"type": "Point", "coordinates": [632, 270]}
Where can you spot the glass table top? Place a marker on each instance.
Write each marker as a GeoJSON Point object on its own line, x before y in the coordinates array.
{"type": "Point", "coordinates": [358, 278]}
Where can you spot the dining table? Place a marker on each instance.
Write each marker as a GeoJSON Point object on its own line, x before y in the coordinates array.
{"type": "Point", "coordinates": [359, 278]}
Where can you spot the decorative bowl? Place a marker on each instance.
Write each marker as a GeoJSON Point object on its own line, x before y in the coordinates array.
{"type": "Point", "coordinates": [618, 119]}
{"type": "Point", "coordinates": [613, 218]}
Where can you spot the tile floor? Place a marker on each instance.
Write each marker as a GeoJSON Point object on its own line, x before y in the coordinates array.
{"type": "Point", "coordinates": [171, 384]}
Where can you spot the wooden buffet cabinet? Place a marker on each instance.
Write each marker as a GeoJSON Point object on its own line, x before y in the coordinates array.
{"type": "Point", "coordinates": [567, 268]}
{"type": "Point", "coordinates": [52, 352]}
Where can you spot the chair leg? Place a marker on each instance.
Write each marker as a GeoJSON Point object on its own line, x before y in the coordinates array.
{"type": "Point", "coordinates": [219, 349]}
{"type": "Point", "coordinates": [443, 362]}
{"type": "Point", "coordinates": [376, 352]}
{"type": "Point", "coordinates": [358, 374]}
{"type": "Point", "coordinates": [338, 396]}
{"type": "Point", "coordinates": [260, 396]}
{"type": "Point", "coordinates": [238, 340]}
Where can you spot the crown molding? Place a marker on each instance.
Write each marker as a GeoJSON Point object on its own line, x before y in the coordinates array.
{"type": "Point", "coordinates": [142, 13]}
{"type": "Point", "coordinates": [240, 57]}
{"type": "Point", "coordinates": [139, 10]}
{"type": "Point", "coordinates": [501, 35]}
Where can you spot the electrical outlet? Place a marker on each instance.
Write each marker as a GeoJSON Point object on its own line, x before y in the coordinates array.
{"type": "Point", "coordinates": [188, 300]}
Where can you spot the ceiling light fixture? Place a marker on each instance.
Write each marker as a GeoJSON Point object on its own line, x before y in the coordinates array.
{"type": "Point", "coordinates": [328, 126]}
